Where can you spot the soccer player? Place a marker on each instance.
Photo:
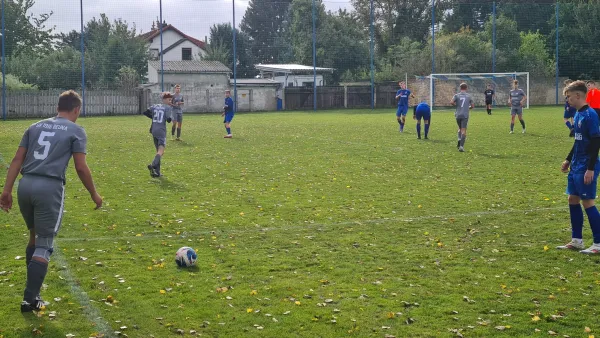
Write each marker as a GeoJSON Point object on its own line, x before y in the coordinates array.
{"type": "Point", "coordinates": [584, 168]}
{"type": "Point", "coordinates": [490, 95]}
{"type": "Point", "coordinates": [160, 115]}
{"type": "Point", "coordinates": [42, 158]}
{"type": "Point", "coordinates": [176, 103]}
{"type": "Point", "coordinates": [422, 111]}
{"type": "Point", "coordinates": [593, 96]}
{"type": "Point", "coordinates": [569, 112]}
{"type": "Point", "coordinates": [463, 103]}
{"type": "Point", "coordinates": [228, 112]}
{"type": "Point", "coordinates": [402, 97]}
{"type": "Point", "coordinates": [516, 100]}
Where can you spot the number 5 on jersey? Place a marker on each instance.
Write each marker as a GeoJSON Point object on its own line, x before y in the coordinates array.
{"type": "Point", "coordinates": [44, 143]}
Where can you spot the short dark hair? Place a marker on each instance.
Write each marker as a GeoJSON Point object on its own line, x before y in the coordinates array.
{"type": "Point", "coordinates": [577, 86]}
{"type": "Point", "coordinates": [166, 95]}
{"type": "Point", "coordinates": [68, 101]}
{"type": "Point", "coordinates": [463, 86]}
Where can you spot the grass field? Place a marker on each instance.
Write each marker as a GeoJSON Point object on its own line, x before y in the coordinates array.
{"type": "Point", "coordinates": [327, 224]}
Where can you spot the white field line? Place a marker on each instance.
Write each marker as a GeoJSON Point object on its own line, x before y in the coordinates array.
{"type": "Point", "coordinates": [304, 226]}
{"type": "Point", "coordinates": [91, 313]}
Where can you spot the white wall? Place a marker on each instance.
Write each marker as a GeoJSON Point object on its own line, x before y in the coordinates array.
{"type": "Point", "coordinates": [169, 38]}
{"type": "Point", "coordinates": [298, 80]}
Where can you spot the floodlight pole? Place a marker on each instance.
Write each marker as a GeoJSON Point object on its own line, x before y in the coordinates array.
{"type": "Point", "coordinates": [556, 56]}
{"type": "Point", "coordinates": [235, 102]}
{"type": "Point", "coordinates": [372, 52]}
{"type": "Point", "coordinates": [314, 38]}
{"type": "Point", "coordinates": [3, 67]}
{"type": "Point", "coordinates": [82, 60]}
{"type": "Point", "coordinates": [494, 37]}
{"type": "Point", "coordinates": [162, 71]}
{"type": "Point", "coordinates": [431, 88]}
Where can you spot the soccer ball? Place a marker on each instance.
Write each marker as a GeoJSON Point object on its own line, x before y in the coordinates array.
{"type": "Point", "coordinates": [185, 257]}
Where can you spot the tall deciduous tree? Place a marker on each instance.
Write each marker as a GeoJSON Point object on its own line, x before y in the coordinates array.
{"type": "Point", "coordinates": [26, 32]}
{"type": "Point", "coordinates": [221, 49]}
{"type": "Point", "coordinates": [263, 23]}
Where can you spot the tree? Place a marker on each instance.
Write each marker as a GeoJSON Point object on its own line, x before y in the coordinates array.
{"type": "Point", "coordinates": [221, 49]}
{"type": "Point", "coordinates": [14, 83]}
{"type": "Point", "coordinates": [263, 23]}
{"type": "Point", "coordinates": [127, 78]}
{"type": "Point", "coordinates": [25, 32]}
{"type": "Point", "coordinates": [534, 56]}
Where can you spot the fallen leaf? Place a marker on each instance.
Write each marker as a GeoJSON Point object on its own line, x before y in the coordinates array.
{"type": "Point", "coordinates": [248, 310]}
{"type": "Point", "coordinates": [587, 330]}
{"type": "Point", "coordinates": [297, 302]}
{"type": "Point", "coordinates": [552, 333]}
{"type": "Point", "coordinates": [546, 248]}
{"type": "Point", "coordinates": [162, 292]}
{"type": "Point", "coordinates": [535, 319]}
{"type": "Point", "coordinates": [69, 335]}
{"type": "Point", "coordinates": [253, 293]}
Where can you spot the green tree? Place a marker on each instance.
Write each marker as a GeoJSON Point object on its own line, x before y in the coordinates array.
{"type": "Point", "coordinates": [263, 23]}
{"type": "Point", "coordinates": [221, 49]}
{"type": "Point", "coordinates": [25, 32]}
{"type": "Point", "coordinates": [14, 83]}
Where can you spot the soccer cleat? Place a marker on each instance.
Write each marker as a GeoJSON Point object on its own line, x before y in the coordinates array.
{"type": "Point", "coordinates": [572, 245]}
{"type": "Point", "coordinates": [178, 139]}
{"type": "Point", "coordinates": [427, 138]}
{"type": "Point", "coordinates": [153, 172]}
{"type": "Point", "coordinates": [511, 132]}
{"type": "Point", "coordinates": [228, 136]}
{"type": "Point", "coordinates": [523, 130]}
{"type": "Point", "coordinates": [37, 305]}
{"type": "Point", "coordinates": [592, 250]}
{"type": "Point", "coordinates": [418, 137]}
{"type": "Point", "coordinates": [461, 149]}
{"type": "Point", "coordinates": [458, 144]}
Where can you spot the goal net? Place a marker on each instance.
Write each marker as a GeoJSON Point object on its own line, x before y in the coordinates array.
{"type": "Point", "coordinates": [438, 89]}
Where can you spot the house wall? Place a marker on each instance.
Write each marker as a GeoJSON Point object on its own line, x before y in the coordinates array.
{"type": "Point", "coordinates": [169, 38]}
{"type": "Point", "coordinates": [298, 80]}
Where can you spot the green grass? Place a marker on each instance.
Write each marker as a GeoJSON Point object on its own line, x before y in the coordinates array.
{"type": "Point", "coordinates": [335, 210]}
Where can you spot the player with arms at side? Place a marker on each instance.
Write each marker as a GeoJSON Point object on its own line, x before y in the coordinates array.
{"type": "Point", "coordinates": [582, 180]}
{"type": "Point", "coordinates": [402, 96]}
{"type": "Point", "coordinates": [228, 113]}
{"type": "Point", "coordinates": [569, 112]}
{"type": "Point", "coordinates": [160, 115]}
{"type": "Point", "coordinates": [177, 103]}
{"type": "Point", "coordinates": [516, 100]}
{"type": "Point", "coordinates": [464, 103]}
{"type": "Point", "coordinates": [490, 95]}
{"type": "Point", "coordinates": [42, 158]}
{"type": "Point", "coordinates": [422, 111]}
{"type": "Point", "coordinates": [593, 96]}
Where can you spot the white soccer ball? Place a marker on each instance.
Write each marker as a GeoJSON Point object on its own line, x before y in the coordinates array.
{"type": "Point", "coordinates": [185, 257]}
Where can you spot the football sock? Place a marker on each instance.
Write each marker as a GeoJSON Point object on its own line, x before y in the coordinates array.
{"type": "Point", "coordinates": [156, 161]}
{"type": "Point", "coordinates": [228, 131]}
{"type": "Point", "coordinates": [400, 122]}
{"type": "Point", "coordinates": [512, 126]}
{"type": "Point", "coordinates": [522, 123]}
{"type": "Point", "coordinates": [418, 130]}
{"type": "Point", "coordinates": [569, 125]}
{"type": "Point", "coordinates": [576, 220]}
{"type": "Point", "coordinates": [29, 254]}
{"type": "Point", "coordinates": [426, 129]}
{"type": "Point", "coordinates": [594, 218]}
{"type": "Point", "coordinates": [173, 131]}
{"type": "Point", "coordinates": [489, 111]}
{"type": "Point", "coordinates": [178, 132]}
{"type": "Point", "coordinates": [459, 134]}
{"type": "Point", "coordinates": [401, 125]}
{"type": "Point", "coordinates": [36, 272]}
{"type": "Point", "coordinates": [463, 138]}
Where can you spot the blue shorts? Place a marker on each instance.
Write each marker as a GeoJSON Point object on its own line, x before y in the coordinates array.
{"type": "Point", "coordinates": [576, 187]}
{"type": "Point", "coordinates": [402, 110]}
{"type": "Point", "coordinates": [425, 116]}
{"type": "Point", "coordinates": [228, 117]}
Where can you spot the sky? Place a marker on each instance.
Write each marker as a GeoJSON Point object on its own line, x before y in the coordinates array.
{"type": "Point", "coordinates": [193, 17]}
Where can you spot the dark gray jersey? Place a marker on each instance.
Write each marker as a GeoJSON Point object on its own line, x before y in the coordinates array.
{"type": "Point", "coordinates": [463, 104]}
{"type": "Point", "coordinates": [160, 113]}
{"type": "Point", "coordinates": [177, 109]}
{"type": "Point", "coordinates": [50, 144]}
{"type": "Point", "coordinates": [516, 95]}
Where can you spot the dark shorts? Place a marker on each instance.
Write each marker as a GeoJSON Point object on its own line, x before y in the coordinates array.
{"type": "Point", "coordinates": [228, 117]}
{"type": "Point", "coordinates": [160, 141]}
{"type": "Point", "coordinates": [462, 122]}
{"type": "Point", "coordinates": [488, 101]}
{"type": "Point", "coordinates": [516, 111]}
{"type": "Point", "coordinates": [178, 117]}
{"type": "Point", "coordinates": [577, 187]}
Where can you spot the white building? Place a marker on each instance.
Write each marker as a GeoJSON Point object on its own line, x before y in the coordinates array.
{"type": "Point", "coordinates": [177, 46]}
{"type": "Point", "coordinates": [292, 75]}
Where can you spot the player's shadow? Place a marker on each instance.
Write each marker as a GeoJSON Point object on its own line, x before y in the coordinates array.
{"type": "Point", "coordinates": [45, 327]}
{"type": "Point", "coordinates": [167, 184]}
{"type": "Point", "coordinates": [194, 268]}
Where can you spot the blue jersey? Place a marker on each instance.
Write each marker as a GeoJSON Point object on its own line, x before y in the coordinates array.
{"type": "Point", "coordinates": [569, 111]}
{"type": "Point", "coordinates": [228, 105]}
{"type": "Point", "coordinates": [586, 128]}
{"type": "Point", "coordinates": [404, 95]}
{"type": "Point", "coordinates": [423, 109]}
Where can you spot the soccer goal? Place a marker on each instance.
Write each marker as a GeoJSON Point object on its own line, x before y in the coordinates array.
{"type": "Point", "coordinates": [438, 89]}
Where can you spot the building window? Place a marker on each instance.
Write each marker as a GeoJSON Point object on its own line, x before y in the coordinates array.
{"type": "Point", "coordinates": [154, 53]}
{"type": "Point", "coordinates": [290, 84]}
{"type": "Point", "coordinates": [186, 53]}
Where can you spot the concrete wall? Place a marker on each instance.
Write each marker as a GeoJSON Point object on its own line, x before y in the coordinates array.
{"type": "Point", "coordinates": [188, 80]}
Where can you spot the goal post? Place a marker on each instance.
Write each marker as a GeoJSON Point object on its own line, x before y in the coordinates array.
{"type": "Point", "coordinates": [438, 89]}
